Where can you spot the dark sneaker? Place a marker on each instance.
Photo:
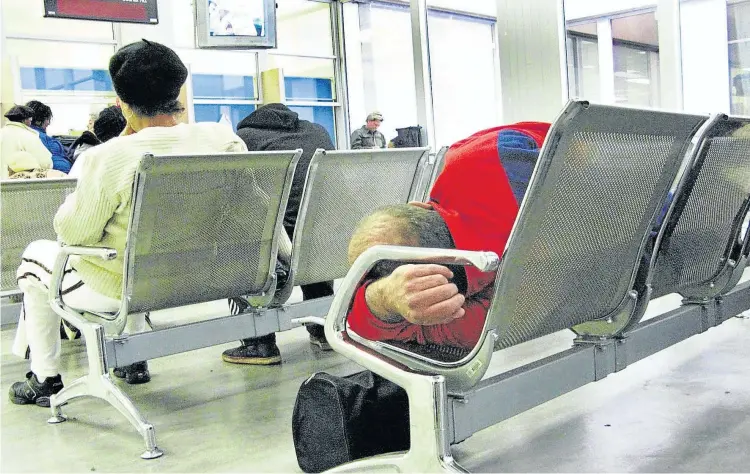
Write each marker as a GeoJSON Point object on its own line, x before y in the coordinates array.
{"type": "Point", "coordinates": [237, 305]}
{"type": "Point", "coordinates": [134, 374]}
{"type": "Point", "coordinates": [318, 336]}
{"type": "Point", "coordinates": [34, 391]}
{"type": "Point", "coordinates": [320, 341]}
{"type": "Point", "coordinates": [254, 351]}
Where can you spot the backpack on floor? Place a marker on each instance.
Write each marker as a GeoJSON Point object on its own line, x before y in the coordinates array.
{"type": "Point", "coordinates": [342, 419]}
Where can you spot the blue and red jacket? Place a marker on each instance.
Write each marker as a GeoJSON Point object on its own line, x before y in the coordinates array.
{"type": "Point", "coordinates": [477, 194]}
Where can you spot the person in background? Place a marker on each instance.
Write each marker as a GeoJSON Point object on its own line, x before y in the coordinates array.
{"type": "Point", "coordinates": [147, 78]}
{"type": "Point", "coordinates": [275, 127]}
{"type": "Point", "coordinates": [434, 304]}
{"type": "Point", "coordinates": [109, 124]}
{"type": "Point", "coordinates": [368, 136]}
{"type": "Point", "coordinates": [20, 147]}
{"type": "Point", "coordinates": [41, 120]}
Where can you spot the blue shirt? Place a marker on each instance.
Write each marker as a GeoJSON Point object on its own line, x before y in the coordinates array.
{"type": "Point", "coordinates": [59, 161]}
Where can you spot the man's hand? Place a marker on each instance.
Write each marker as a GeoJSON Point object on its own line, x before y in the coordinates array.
{"type": "Point", "coordinates": [420, 294]}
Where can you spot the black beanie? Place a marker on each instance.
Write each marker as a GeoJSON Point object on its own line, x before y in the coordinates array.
{"type": "Point", "coordinates": [148, 76]}
{"type": "Point", "coordinates": [109, 124]}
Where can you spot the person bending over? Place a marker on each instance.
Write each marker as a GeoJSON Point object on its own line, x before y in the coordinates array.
{"type": "Point", "coordinates": [276, 127]}
{"type": "Point", "coordinates": [147, 78]}
{"type": "Point", "coordinates": [108, 124]}
{"type": "Point", "coordinates": [472, 206]}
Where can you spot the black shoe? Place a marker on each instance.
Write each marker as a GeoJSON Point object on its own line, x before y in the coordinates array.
{"type": "Point", "coordinates": [33, 391]}
{"type": "Point", "coordinates": [318, 337]}
{"type": "Point", "coordinates": [254, 351]}
{"type": "Point", "coordinates": [134, 374]}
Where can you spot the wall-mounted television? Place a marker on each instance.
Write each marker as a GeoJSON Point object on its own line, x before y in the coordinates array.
{"type": "Point", "coordinates": [131, 11]}
{"type": "Point", "coordinates": [236, 24]}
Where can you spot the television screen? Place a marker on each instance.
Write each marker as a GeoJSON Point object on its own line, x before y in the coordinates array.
{"type": "Point", "coordinates": [235, 23]}
{"type": "Point", "coordinates": [132, 11]}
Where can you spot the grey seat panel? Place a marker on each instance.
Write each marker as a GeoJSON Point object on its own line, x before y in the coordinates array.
{"type": "Point", "coordinates": [343, 187]}
{"type": "Point", "coordinates": [204, 227]}
{"type": "Point", "coordinates": [696, 250]}
{"type": "Point", "coordinates": [28, 211]}
{"type": "Point", "coordinates": [602, 178]}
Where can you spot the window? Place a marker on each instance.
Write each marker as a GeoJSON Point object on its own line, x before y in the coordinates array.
{"type": "Point", "coordinates": [583, 61]}
{"type": "Point", "coordinates": [635, 51]}
{"type": "Point", "coordinates": [463, 79]}
{"type": "Point", "coordinates": [223, 98]}
{"type": "Point", "coordinates": [71, 78]}
{"type": "Point", "coordinates": [387, 75]}
{"type": "Point", "coordinates": [738, 22]}
{"type": "Point", "coordinates": [319, 91]}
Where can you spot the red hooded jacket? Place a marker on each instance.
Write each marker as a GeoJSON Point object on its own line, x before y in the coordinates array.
{"type": "Point", "coordinates": [474, 197]}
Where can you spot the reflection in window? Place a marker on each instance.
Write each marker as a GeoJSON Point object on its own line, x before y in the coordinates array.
{"type": "Point", "coordinates": [54, 79]}
{"type": "Point", "coordinates": [635, 49]}
{"type": "Point", "coordinates": [463, 79]}
{"type": "Point", "coordinates": [738, 22]}
{"type": "Point", "coordinates": [583, 61]}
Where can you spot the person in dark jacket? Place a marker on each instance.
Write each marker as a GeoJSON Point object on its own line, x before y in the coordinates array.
{"type": "Point", "coordinates": [109, 123]}
{"type": "Point", "coordinates": [275, 127]}
{"type": "Point", "coordinates": [39, 122]}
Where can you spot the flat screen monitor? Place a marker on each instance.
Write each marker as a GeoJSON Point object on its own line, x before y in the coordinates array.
{"type": "Point", "coordinates": [131, 11]}
{"type": "Point", "coordinates": [237, 24]}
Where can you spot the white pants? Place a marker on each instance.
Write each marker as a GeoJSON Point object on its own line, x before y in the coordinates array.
{"type": "Point", "coordinates": [39, 326]}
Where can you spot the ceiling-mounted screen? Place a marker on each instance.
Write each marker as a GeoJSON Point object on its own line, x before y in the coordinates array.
{"type": "Point", "coordinates": [131, 11]}
{"type": "Point", "coordinates": [239, 24]}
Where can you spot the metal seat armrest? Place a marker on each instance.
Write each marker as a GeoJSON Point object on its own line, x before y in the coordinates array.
{"type": "Point", "coordinates": [58, 273]}
{"type": "Point", "coordinates": [396, 365]}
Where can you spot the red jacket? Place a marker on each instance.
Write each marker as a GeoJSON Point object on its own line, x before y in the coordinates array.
{"type": "Point", "coordinates": [474, 197]}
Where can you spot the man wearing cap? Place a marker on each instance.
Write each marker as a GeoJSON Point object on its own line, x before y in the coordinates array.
{"type": "Point", "coordinates": [368, 136]}
{"type": "Point", "coordinates": [20, 147]}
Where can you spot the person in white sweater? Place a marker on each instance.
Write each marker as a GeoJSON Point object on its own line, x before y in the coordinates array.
{"type": "Point", "coordinates": [20, 147]}
{"type": "Point", "coordinates": [147, 78]}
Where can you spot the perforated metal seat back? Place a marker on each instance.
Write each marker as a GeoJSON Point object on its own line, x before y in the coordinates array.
{"type": "Point", "coordinates": [343, 187]}
{"type": "Point", "coordinates": [601, 179]}
{"type": "Point", "coordinates": [204, 228]}
{"type": "Point", "coordinates": [28, 210]}
{"type": "Point", "coordinates": [704, 228]}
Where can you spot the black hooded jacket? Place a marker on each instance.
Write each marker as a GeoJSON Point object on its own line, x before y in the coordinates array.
{"type": "Point", "coordinates": [275, 127]}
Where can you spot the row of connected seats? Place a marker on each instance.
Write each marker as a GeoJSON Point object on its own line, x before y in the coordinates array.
{"type": "Point", "coordinates": [206, 228]}
{"type": "Point", "coordinates": [624, 206]}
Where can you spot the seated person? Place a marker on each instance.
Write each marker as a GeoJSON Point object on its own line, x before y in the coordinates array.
{"type": "Point", "coordinates": [21, 151]}
{"type": "Point", "coordinates": [41, 120]}
{"type": "Point", "coordinates": [276, 127]}
{"type": "Point", "coordinates": [147, 78]}
{"type": "Point", "coordinates": [109, 123]}
{"type": "Point", "coordinates": [472, 206]}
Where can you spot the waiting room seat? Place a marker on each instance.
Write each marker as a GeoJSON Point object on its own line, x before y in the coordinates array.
{"type": "Point", "coordinates": [703, 251]}
{"type": "Point", "coordinates": [577, 258]}
{"type": "Point", "coordinates": [202, 228]}
{"type": "Point", "coordinates": [341, 188]}
{"type": "Point", "coordinates": [28, 211]}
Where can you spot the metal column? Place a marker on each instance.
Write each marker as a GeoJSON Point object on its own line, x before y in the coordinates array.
{"type": "Point", "coordinates": [422, 75]}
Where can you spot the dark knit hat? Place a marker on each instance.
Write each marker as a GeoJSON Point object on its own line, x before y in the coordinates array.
{"type": "Point", "coordinates": [109, 124]}
{"type": "Point", "coordinates": [19, 113]}
{"type": "Point", "coordinates": [148, 76]}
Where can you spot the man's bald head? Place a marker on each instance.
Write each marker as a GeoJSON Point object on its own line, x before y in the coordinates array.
{"type": "Point", "coordinates": [403, 224]}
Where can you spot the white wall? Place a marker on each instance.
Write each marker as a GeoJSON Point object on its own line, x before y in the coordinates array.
{"type": "Point", "coordinates": [705, 57]}
{"type": "Point", "coordinates": [531, 49]}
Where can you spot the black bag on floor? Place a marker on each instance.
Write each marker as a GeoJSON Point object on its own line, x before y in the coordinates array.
{"type": "Point", "coordinates": [341, 419]}
{"type": "Point", "coordinates": [408, 137]}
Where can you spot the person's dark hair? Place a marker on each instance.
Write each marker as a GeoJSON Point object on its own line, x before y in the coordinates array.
{"type": "Point", "coordinates": [19, 113]}
{"type": "Point", "coordinates": [110, 123]}
{"type": "Point", "coordinates": [148, 76]}
{"type": "Point", "coordinates": [42, 112]}
{"type": "Point", "coordinates": [424, 226]}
